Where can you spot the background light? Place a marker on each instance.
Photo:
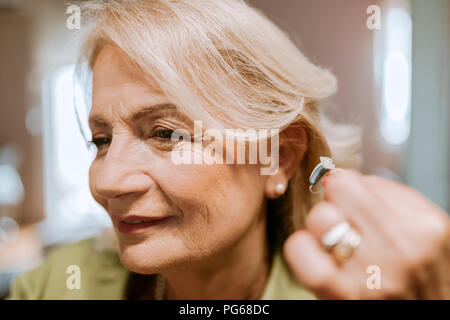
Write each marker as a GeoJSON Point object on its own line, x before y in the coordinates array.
{"type": "Point", "coordinates": [396, 80]}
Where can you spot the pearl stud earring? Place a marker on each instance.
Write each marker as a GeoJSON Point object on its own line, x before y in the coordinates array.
{"type": "Point", "coordinates": [280, 188]}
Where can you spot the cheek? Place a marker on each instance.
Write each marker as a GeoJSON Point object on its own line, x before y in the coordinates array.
{"type": "Point", "coordinates": [217, 203]}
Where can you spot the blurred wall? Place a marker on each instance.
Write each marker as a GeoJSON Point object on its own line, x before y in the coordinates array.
{"type": "Point", "coordinates": [34, 40]}
{"type": "Point", "coordinates": [428, 151]}
{"type": "Point", "coordinates": [14, 66]}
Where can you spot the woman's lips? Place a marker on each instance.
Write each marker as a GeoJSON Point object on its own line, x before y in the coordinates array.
{"type": "Point", "coordinates": [135, 225]}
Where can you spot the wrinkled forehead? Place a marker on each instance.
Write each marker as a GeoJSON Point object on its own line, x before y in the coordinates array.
{"type": "Point", "coordinates": [113, 68]}
{"type": "Point", "coordinates": [110, 61]}
{"type": "Point", "coordinates": [118, 86]}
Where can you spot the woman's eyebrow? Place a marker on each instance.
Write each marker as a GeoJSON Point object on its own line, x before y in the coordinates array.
{"type": "Point", "coordinates": [148, 110]}
{"type": "Point", "coordinates": [98, 120]}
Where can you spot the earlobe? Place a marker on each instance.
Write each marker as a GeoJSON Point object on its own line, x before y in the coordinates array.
{"type": "Point", "coordinates": [276, 185]}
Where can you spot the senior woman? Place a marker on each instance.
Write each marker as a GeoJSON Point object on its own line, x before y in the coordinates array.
{"type": "Point", "coordinates": [223, 230]}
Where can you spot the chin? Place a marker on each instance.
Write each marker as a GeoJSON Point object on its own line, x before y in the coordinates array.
{"type": "Point", "coordinates": [149, 257]}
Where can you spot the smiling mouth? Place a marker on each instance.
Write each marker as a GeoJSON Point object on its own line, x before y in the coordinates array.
{"type": "Point", "coordinates": [135, 225]}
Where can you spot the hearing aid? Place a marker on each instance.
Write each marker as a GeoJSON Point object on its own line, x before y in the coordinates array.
{"type": "Point", "coordinates": [326, 164]}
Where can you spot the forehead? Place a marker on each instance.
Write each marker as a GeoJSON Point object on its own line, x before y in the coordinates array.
{"type": "Point", "coordinates": [118, 85]}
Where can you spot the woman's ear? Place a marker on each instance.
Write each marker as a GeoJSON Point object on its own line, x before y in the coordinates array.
{"type": "Point", "coordinates": [293, 146]}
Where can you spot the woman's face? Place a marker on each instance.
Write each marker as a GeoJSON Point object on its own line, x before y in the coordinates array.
{"type": "Point", "coordinates": [203, 208]}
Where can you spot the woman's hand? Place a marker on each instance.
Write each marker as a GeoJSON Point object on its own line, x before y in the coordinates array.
{"type": "Point", "coordinates": [404, 238]}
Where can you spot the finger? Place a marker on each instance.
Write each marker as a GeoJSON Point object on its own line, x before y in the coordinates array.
{"type": "Point", "coordinates": [396, 195]}
{"type": "Point", "coordinates": [322, 217]}
{"type": "Point", "coordinates": [310, 265]}
{"type": "Point", "coordinates": [369, 199]}
{"type": "Point", "coordinates": [346, 190]}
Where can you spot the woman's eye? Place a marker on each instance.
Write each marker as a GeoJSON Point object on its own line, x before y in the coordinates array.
{"type": "Point", "coordinates": [98, 142]}
{"type": "Point", "coordinates": [163, 133]}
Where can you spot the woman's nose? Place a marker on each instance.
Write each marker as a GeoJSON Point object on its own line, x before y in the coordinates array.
{"type": "Point", "coordinates": [121, 173]}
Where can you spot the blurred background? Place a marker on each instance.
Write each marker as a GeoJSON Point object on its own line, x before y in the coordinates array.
{"type": "Point", "coordinates": [392, 60]}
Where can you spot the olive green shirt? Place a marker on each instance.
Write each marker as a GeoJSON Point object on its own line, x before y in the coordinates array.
{"type": "Point", "coordinates": [103, 277]}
